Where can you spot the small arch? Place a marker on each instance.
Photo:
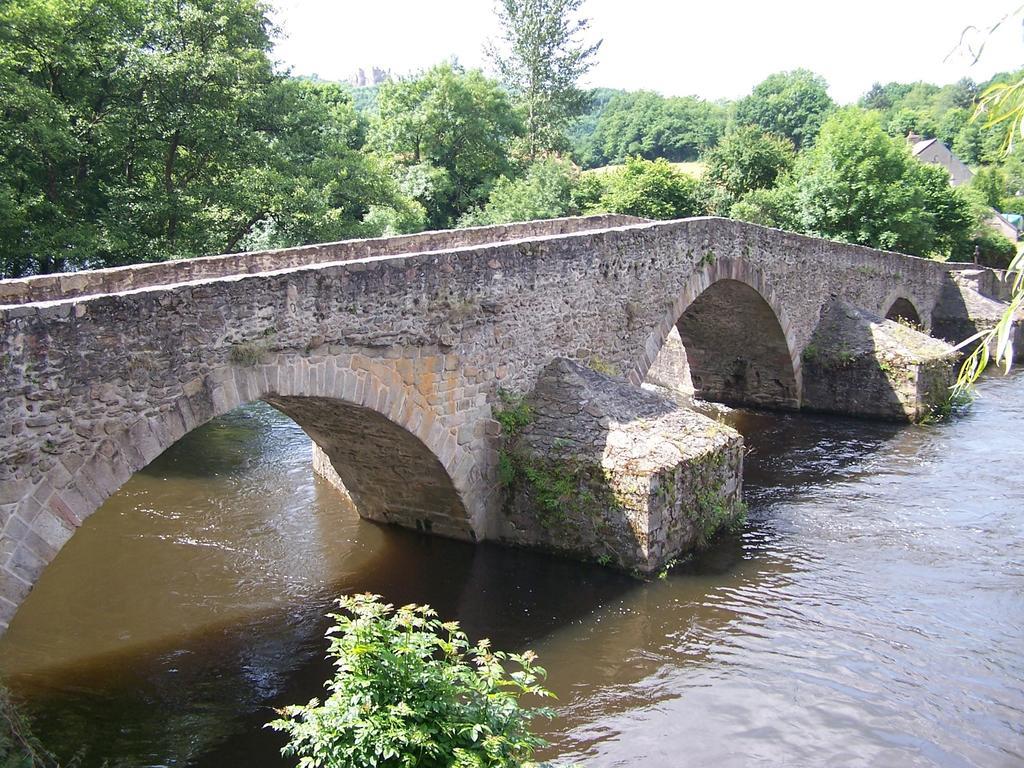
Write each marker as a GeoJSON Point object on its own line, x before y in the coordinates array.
{"type": "Point", "coordinates": [736, 337]}
{"type": "Point", "coordinates": [903, 311]}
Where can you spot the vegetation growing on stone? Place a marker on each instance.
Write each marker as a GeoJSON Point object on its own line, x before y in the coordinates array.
{"type": "Point", "coordinates": [19, 748]}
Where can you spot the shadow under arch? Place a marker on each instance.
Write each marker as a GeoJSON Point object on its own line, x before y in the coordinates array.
{"type": "Point", "coordinates": [737, 337]}
{"type": "Point", "coordinates": [903, 310]}
{"type": "Point", "coordinates": [399, 462]}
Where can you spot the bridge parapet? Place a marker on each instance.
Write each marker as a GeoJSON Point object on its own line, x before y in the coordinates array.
{"type": "Point", "coordinates": [70, 285]}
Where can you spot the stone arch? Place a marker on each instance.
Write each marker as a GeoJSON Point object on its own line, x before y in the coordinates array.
{"type": "Point", "coordinates": [902, 309]}
{"type": "Point", "coordinates": [368, 397]}
{"type": "Point", "coordinates": [737, 336]}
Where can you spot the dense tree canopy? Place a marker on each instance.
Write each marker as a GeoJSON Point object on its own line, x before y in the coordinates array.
{"type": "Point", "coordinates": [450, 132]}
{"type": "Point", "coordinates": [789, 104]}
{"type": "Point", "coordinates": [745, 160]}
{"type": "Point", "coordinates": [645, 124]}
{"type": "Point", "coordinates": [134, 130]}
{"type": "Point", "coordinates": [859, 185]}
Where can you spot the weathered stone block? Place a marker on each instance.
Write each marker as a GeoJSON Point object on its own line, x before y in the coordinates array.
{"type": "Point", "coordinates": [602, 470]}
{"type": "Point", "coordinates": [860, 364]}
{"type": "Point", "coordinates": [670, 369]}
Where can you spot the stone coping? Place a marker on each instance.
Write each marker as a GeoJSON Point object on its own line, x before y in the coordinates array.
{"type": "Point", "coordinates": [579, 228]}
{"type": "Point", "coordinates": [66, 285]}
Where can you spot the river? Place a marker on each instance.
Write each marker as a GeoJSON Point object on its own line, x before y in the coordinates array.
{"type": "Point", "coordinates": [871, 613]}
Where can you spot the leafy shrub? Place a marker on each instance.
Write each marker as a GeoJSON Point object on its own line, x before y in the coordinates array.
{"type": "Point", "coordinates": [652, 190]}
{"type": "Point", "coordinates": [1012, 205]}
{"type": "Point", "coordinates": [19, 748]}
{"type": "Point", "coordinates": [745, 160]}
{"type": "Point", "coordinates": [411, 692]}
{"type": "Point", "coordinates": [586, 194]}
{"type": "Point", "coordinates": [994, 249]}
{"type": "Point", "coordinates": [544, 192]}
{"type": "Point", "coordinates": [776, 207]}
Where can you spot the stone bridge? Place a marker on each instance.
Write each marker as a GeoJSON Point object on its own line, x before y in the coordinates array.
{"type": "Point", "coordinates": [393, 354]}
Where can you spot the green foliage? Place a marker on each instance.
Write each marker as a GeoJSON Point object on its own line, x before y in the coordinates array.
{"type": "Point", "coordinates": [648, 125]}
{"type": "Point", "coordinates": [540, 61]}
{"type": "Point", "coordinates": [545, 191]}
{"type": "Point", "coordinates": [133, 130]}
{"type": "Point", "coordinates": [775, 207]}
{"type": "Point", "coordinates": [448, 132]}
{"type": "Point", "coordinates": [411, 692]}
{"type": "Point", "coordinates": [652, 190]}
{"type": "Point", "coordinates": [364, 98]}
{"type": "Point", "coordinates": [789, 104]}
{"type": "Point", "coordinates": [19, 748]}
{"type": "Point", "coordinates": [885, 97]}
{"type": "Point", "coordinates": [745, 160]}
{"type": "Point", "coordinates": [907, 121]}
{"type": "Point", "coordinates": [990, 184]}
{"type": "Point", "coordinates": [1012, 205]}
{"type": "Point", "coordinates": [994, 249]}
{"type": "Point", "coordinates": [514, 413]}
{"type": "Point", "coordinates": [969, 143]}
{"type": "Point", "coordinates": [859, 185]}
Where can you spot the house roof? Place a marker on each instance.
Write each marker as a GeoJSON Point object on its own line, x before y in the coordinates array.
{"type": "Point", "coordinates": [921, 146]}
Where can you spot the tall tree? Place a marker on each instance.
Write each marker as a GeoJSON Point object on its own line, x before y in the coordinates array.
{"type": "Point", "coordinates": [135, 130]}
{"type": "Point", "coordinates": [448, 132]}
{"type": "Point", "coordinates": [62, 104]}
{"type": "Point", "coordinates": [541, 60]}
{"type": "Point", "coordinates": [859, 185]}
{"type": "Point", "coordinates": [745, 160]}
{"type": "Point", "coordinates": [789, 104]}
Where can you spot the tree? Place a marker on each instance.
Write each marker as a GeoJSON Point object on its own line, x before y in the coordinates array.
{"type": "Point", "coordinates": [990, 183]}
{"type": "Point", "coordinates": [884, 97]}
{"type": "Point", "coordinates": [646, 124]}
{"type": "Point", "coordinates": [906, 121]}
{"type": "Point", "coordinates": [540, 61]}
{"type": "Point", "coordinates": [411, 691]}
{"type": "Point", "coordinates": [448, 131]}
{"type": "Point", "coordinates": [137, 131]}
{"type": "Point", "coordinates": [60, 134]}
{"type": "Point", "coordinates": [859, 185]}
{"type": "Point", "coordinates": [745, 160]}
{"type": "Point", "coordinates": [789, 104]}
{"type": "Point", "coordinates": [769, 207]}
{"type": "Point", "coordinates": [651, 190]}
{"type": "Point", "coordinates": [543, 192]}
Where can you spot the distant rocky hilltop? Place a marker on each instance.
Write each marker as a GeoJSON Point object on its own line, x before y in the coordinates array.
{"type": "Point", "coordinates": [360, 79]}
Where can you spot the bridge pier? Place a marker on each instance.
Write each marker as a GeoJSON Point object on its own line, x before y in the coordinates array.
{"type": "Point", "coordinates": [859, 364]}
{"type": "Point", "coordinates": [599, 469]}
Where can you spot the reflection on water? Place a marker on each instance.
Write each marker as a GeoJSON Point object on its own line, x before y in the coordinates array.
{"type": "Point", "coordinates": [870, 614]}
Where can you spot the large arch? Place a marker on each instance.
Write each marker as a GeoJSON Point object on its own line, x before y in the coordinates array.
{"type": "Point", "coordinates": [737, 338]}
{"type": "Point", "coordinates": [398, 460]}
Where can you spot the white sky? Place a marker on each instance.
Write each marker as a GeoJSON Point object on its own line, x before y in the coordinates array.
{"type": "Point", "coordinates": [711, 48]}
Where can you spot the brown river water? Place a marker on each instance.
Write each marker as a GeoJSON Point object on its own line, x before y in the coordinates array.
{"type": "Point", "coordinates": [871, 613]}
